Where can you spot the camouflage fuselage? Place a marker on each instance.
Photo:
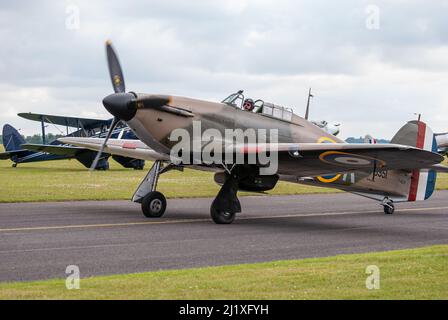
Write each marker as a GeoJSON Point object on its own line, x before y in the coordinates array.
{"type": "Point", "coordinates": [154, 128]}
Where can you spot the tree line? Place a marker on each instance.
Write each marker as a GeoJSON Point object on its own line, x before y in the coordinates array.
{"type": "Point", "coordinates": [37, 138]}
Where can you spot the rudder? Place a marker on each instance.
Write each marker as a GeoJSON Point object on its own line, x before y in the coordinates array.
{"type": "Point", "coordinates": [12, 140]}
{"type": "Point", "coordinates": [417, 134]}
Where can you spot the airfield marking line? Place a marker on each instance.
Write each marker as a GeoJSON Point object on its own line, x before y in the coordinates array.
{"type": "Point", "coordinates": [65, 248]}
{"type": "Point", "coordinates": [126, 224]}
{"type": "Point", "coordinates": [333, 213]}
{"type": "Point", "coordinates": [104, 225]}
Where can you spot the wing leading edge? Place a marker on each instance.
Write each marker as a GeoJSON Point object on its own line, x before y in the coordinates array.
{"type": "Point", "coordinates": [298, 159]}
{"type": "Point", "coordinates": [122, 147]}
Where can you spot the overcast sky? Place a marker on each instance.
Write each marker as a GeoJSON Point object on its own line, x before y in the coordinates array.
{"type": "Point", "coordinates": [371, 64]}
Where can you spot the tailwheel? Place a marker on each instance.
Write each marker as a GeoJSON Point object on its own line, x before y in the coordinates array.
{"type": "Point", "coordinates": [221, 217]}
{"type": "Point", "coordinates": [154, 205]}
{"type": "Point", "coordinates": [14, 165]}
{"type": "Point", "coordinates": [389, 207]}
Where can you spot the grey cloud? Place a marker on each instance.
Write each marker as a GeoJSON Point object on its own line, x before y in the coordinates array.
{"type": "Point", "coordinates": [274, 49]}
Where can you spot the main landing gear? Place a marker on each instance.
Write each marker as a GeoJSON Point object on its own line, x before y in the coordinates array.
{"type": "Point", "coordinates": [226, 204]}
{"type": "Point", "coordinates": [388, 205]}
{"type": "Point", "coordinates": [153, 202]}
{"type": "Point", "coordinates": [222, 211]}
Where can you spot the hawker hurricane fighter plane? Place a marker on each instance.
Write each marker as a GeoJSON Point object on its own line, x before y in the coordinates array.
{"type": "Point", "coordinates": [297, 150]}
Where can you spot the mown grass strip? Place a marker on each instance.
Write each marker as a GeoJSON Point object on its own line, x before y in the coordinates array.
{"type": "Point", "coordinates": [404, 274]}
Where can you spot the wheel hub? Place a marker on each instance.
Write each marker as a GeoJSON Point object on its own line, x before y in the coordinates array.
{"type": "Point", "coordinates": [155, 205]}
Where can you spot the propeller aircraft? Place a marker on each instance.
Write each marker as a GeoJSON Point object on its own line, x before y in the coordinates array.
{"type": "Point", "coordinates": [18, 151]}
{"type": "Point", "coordinates": [304, 153]}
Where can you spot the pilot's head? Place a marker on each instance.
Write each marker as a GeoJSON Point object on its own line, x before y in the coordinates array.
{"type": "Point", "coordinates": [248, 105]}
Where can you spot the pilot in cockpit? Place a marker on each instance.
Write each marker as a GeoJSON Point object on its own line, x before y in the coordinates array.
{"type": "Point", "coordinates": [248, 105]}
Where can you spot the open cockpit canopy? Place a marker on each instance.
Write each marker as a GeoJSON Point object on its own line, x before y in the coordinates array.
{"type": "Point", "coordinates": [264, 108]}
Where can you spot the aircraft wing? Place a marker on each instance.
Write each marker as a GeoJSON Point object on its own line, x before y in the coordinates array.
{"type": "Point", "coordinates": [5, 156]}
{"type": "Point", "coordinates": [54, 149]}
{"type": "Point", "coordinates": [298, 159]}
{"type": "Point", "coordinates": [316, 159]}
{"type": "Point", "coordinates": [74, 122]}
{"type": "Point", "coordinates": [122, 147]}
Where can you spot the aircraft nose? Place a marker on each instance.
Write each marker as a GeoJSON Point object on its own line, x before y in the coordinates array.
{"type": "Point", "coordinates": [121, 105]}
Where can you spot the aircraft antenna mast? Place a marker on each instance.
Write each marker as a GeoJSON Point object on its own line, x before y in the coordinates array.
{"type": "Point", "coordinates": [419, 115]}
{"type": "Point", "coordinates": [307, 113]}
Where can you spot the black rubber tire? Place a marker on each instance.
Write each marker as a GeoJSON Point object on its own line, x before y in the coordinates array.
{"type": "Point", "coordinates": [221, 217]}
{"type": "Point", "coordinates": [140, 165]}
{"type": "Point", "coordinates": [103, 168]}
{"type": "Point", "coordinates": [154, 205]}
{"type": "Point", "coordinates": [389, 210]}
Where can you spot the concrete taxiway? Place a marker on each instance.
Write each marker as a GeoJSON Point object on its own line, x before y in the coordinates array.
{"type": "Point", "coordinates": [39, 240]}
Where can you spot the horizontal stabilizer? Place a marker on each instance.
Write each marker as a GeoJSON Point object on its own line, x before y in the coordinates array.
{"type": "Point", "coordinates": [439, 168]}
{"type": "Point", "coordinates": [55, 149]}
{"type": "Point", "coordinates": [10, 154]}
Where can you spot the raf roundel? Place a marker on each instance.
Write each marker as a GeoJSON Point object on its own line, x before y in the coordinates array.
{"type": "Point", "coordinates": [348, 159]}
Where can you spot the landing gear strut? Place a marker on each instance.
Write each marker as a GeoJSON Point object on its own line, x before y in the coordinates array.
{"type": "Point", "coordinates": [153, 202]}
{"type": "Point", "coordinates": [388, 205]}
{"type": "Point", "coordinates": [226, 203]}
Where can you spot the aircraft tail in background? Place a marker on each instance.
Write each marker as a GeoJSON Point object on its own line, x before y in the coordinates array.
{"type": "Point", "coordinates": [369, 139]}
{"type": "Point", "coordinates": [12, 140]}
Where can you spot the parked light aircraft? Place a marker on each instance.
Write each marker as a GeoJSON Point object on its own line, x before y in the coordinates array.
{"type": "Point", "coordinates": [18, 151]}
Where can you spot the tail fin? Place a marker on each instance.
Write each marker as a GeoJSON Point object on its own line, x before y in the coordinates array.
{"type": "Point", "coordinates": [418, 134]}
{"type": "Point", "coordinates": [12, 140]}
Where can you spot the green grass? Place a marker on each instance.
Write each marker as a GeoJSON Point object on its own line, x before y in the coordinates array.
{"type": "Point", "coordinates": [405, 274]}
{"type": "Point", "coordinates": [65, 180]}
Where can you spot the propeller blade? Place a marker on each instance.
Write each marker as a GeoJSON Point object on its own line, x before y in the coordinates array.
{"type": "Point", "coordinates": [116, 74]}
{"type": "Point", "coordinates": [100, 152]}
